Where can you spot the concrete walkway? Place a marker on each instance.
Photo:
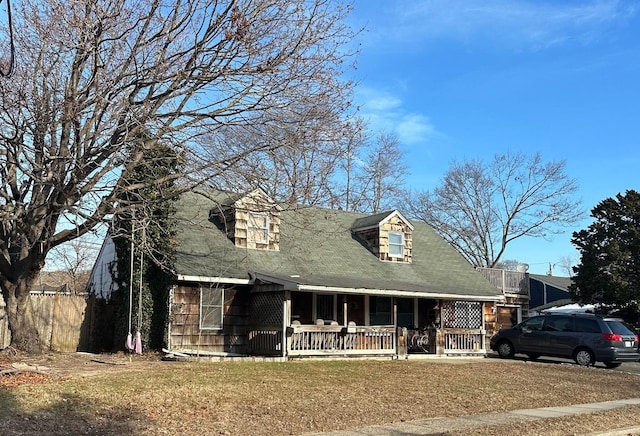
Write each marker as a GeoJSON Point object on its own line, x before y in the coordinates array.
{"type": "Point", "coordinates": [436, 426]}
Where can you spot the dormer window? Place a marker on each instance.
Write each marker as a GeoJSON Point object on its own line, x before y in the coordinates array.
{"type": "Point", "coordinates": [258, 227]}
{"type": "Point", "coordinates": [250, 220]}
{"type": "Point", "coordinates": [396, 244]}
{"type": "Point", "coordinates": [388, 235]}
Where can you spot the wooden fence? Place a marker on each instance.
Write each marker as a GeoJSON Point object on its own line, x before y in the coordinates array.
{"type": "Point", "coordinates": [60, 320]}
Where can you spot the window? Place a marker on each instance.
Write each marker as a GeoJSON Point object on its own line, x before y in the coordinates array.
{"type": "Point", "coordinates": [325, 307]}
{"type": "Point", "coordinates": [620, 328]}
{"type": "Point", "coordinates": [258, 228]}
{"type": "Point", "coordinates": [534, 323]}
{"type": "Point", "coordinates": [211, 308]}
{"type": "Point", "coordinates": [587, 325]}
{"type": "Point", "coordinates": [405, 313]}
{"type": "Point", "coordinates": [558, 323]}
{"type": "Point", "coordinates": [380, 311]}
{"type": "Point", "coordinates": [396, 244]}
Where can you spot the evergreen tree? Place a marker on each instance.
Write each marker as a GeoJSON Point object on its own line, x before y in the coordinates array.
{"type": "Point", "coordinates": [609, 269]}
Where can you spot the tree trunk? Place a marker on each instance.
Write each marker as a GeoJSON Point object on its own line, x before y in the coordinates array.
{"type": "Point", "coordinates": [24, 334]}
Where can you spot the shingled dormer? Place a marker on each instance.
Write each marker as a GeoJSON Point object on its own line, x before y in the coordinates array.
{"type": "Point", "coordinates": [251, 220]}
{"type": "Point", "coordinates": [388, 235]}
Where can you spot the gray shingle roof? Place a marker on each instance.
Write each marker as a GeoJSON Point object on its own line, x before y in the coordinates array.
{"type": "Point", "coordinates": [317, 248]}
{"type": "Point", "coordinates": [556, 281]}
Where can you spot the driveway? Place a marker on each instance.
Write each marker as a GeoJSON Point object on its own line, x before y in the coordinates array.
{"type": "Point", "coordinates": [630, 367]}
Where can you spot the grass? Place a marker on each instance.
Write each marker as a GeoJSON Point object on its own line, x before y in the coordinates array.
{"type": "Point", "coordinates": [239, 398]}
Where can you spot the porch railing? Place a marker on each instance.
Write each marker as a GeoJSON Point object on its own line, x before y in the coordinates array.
{"type": "Point", "coordinates": [464, 341]}
{"type": "Point", "coordinates": [509, 282]}
{"type": "Point", "coordinates": [310, 340]}
{"type": "Point", "coordinates": [265, 341]}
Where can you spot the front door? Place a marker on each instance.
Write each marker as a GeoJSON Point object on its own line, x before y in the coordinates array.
{"type": "Point", "coordinates": [355, 309]}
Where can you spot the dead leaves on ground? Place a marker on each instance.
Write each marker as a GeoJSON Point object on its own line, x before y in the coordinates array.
{"type": "Point", "coordinates": [14, 374]}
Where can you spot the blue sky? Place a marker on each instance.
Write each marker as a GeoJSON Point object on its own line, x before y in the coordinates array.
{"type": "Point", "coordinates": [465, 79]}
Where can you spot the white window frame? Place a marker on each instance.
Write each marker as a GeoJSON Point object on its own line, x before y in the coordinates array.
{"type": "Point", "coordinates": [395, 244]}
{"type": "Point", "coordinates": [214, 302]}
{"type": "Point", "coordinates": [253, 230]}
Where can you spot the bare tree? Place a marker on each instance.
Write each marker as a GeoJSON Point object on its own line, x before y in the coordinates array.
{"type": "Point", "coordinates": [299, 161]}
{"type": "Point", "coordinates": [344, 167]}
{"type": "Point", "coordinates": [384, 172]}
{"type": "Point", "coordinates": [74, 259]}
{"type": "Point", "coordinates": [566, 264]}
{"type": "Point", "coordinates": [481, 207]}
{"type": "Point", "coordinates": [92, 77]}
{"type": "Point", "coordinates": [508, 264]}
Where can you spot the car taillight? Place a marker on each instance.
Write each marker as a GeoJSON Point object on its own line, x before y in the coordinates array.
{"type": "Point", "coordinates": [612, 337]}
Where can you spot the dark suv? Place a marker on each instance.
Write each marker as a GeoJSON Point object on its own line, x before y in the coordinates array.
{"type": "Point", "coordinates": [586, 338]}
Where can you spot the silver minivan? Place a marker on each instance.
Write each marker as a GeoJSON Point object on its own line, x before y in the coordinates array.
{"type": "Point", "coordinates": [586, 338]}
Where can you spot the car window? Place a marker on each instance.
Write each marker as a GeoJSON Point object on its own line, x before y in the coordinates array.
{"type": "Point", "coordinates": [534, 323]}
{"type": "Point", "coordinates": [559, 323]}
{"type": "Point", "coordinates": [619, 327]}
{"type": "Point", "coordinates": [588, 325]}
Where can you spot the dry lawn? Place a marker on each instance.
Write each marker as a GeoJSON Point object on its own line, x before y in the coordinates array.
{"type": "Point", "coordinates": [77, 395]}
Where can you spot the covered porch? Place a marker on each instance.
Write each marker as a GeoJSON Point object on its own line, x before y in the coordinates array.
{"type": "Point", "coordinates": [316, 323]}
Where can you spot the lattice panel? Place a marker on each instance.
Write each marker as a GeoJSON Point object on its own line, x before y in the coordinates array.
{"type": "Point", "coordinates": [265, 308]}
{"type": "Point", "coordinates": [462, 314]}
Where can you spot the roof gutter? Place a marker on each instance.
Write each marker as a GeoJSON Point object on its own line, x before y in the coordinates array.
{"type": "Point", "coordinates": [397, 293]}
{"type": "Point", "coordinates": [295, 286]}
{"type": "Point", "coordinates": [205, 279]}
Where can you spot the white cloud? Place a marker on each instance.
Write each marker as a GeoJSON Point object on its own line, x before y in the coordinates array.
{"type": "Point", "coordinates": [414, 128]}
{"type": "Point", "coordinates": [383, 103]}
{"type": "Point", "coordinates": [385, 112]}
{"type": "Point", "coordinates": [519, 24]}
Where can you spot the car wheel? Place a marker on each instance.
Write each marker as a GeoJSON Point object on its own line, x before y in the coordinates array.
{"type": "Point", "coordinates": [533, 356]}
{"type": "Point", "coordinates": [612, 364]}
{"type": "Point", "coordinates": [505, 349]}
{"type": "Point", "coordinates": [584, 357]}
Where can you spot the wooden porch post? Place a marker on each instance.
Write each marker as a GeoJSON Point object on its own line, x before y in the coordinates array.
{"type": "Point", "coordinates": [440, 331]}
{"type": "Point", "coordinates": [344, 310]}
{"type": "Point", "coordinates": [286, 314]}
{"type": "Point", "coordinates": [395, 311]}
{"type": "Point", "coordinates": [395, 324]}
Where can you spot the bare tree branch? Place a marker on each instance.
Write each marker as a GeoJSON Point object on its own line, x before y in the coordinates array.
{"type": "Point", "coordinates": [481, 207]}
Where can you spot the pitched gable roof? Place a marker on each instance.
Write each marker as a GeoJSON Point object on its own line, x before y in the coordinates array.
{"type": "Point", "coordinates": [317, 248]}
{"type": "Point", "coordinates": [377, 220]}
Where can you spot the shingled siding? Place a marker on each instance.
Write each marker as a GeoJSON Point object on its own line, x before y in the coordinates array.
{"type": "Point", "coordinates": [377, 239]}
{"type": "Point", "coordinates": [185, 321]}
{"type": "Point", "coordinates": [395, 224]}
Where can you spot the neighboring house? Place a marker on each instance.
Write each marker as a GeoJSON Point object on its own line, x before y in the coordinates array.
{"type": "Point", "coordinates": [254, 278]}
{"type": "Point", "coordinates": [548, 291]}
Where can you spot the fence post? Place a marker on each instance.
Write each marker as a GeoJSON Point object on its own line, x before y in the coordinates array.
{"type": "Point", "coordinates": [402, 342]}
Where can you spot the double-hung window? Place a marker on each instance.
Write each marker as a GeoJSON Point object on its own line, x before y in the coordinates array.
{"type": "Point", "coordinates": [396, 244]}
{"type": "Point", "coordinates": [211, 308]}
{"type": "Point", "coordinates": [258, 228]}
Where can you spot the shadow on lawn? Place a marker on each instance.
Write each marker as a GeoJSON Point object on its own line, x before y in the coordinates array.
{"type": "Point", "coordinates": [73, 414]}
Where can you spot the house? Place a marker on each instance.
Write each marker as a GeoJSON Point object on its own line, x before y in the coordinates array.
{"type": "Point", "coordinates": [257, 278]}
{"type": "Point", "coordinates": [546, 289]}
